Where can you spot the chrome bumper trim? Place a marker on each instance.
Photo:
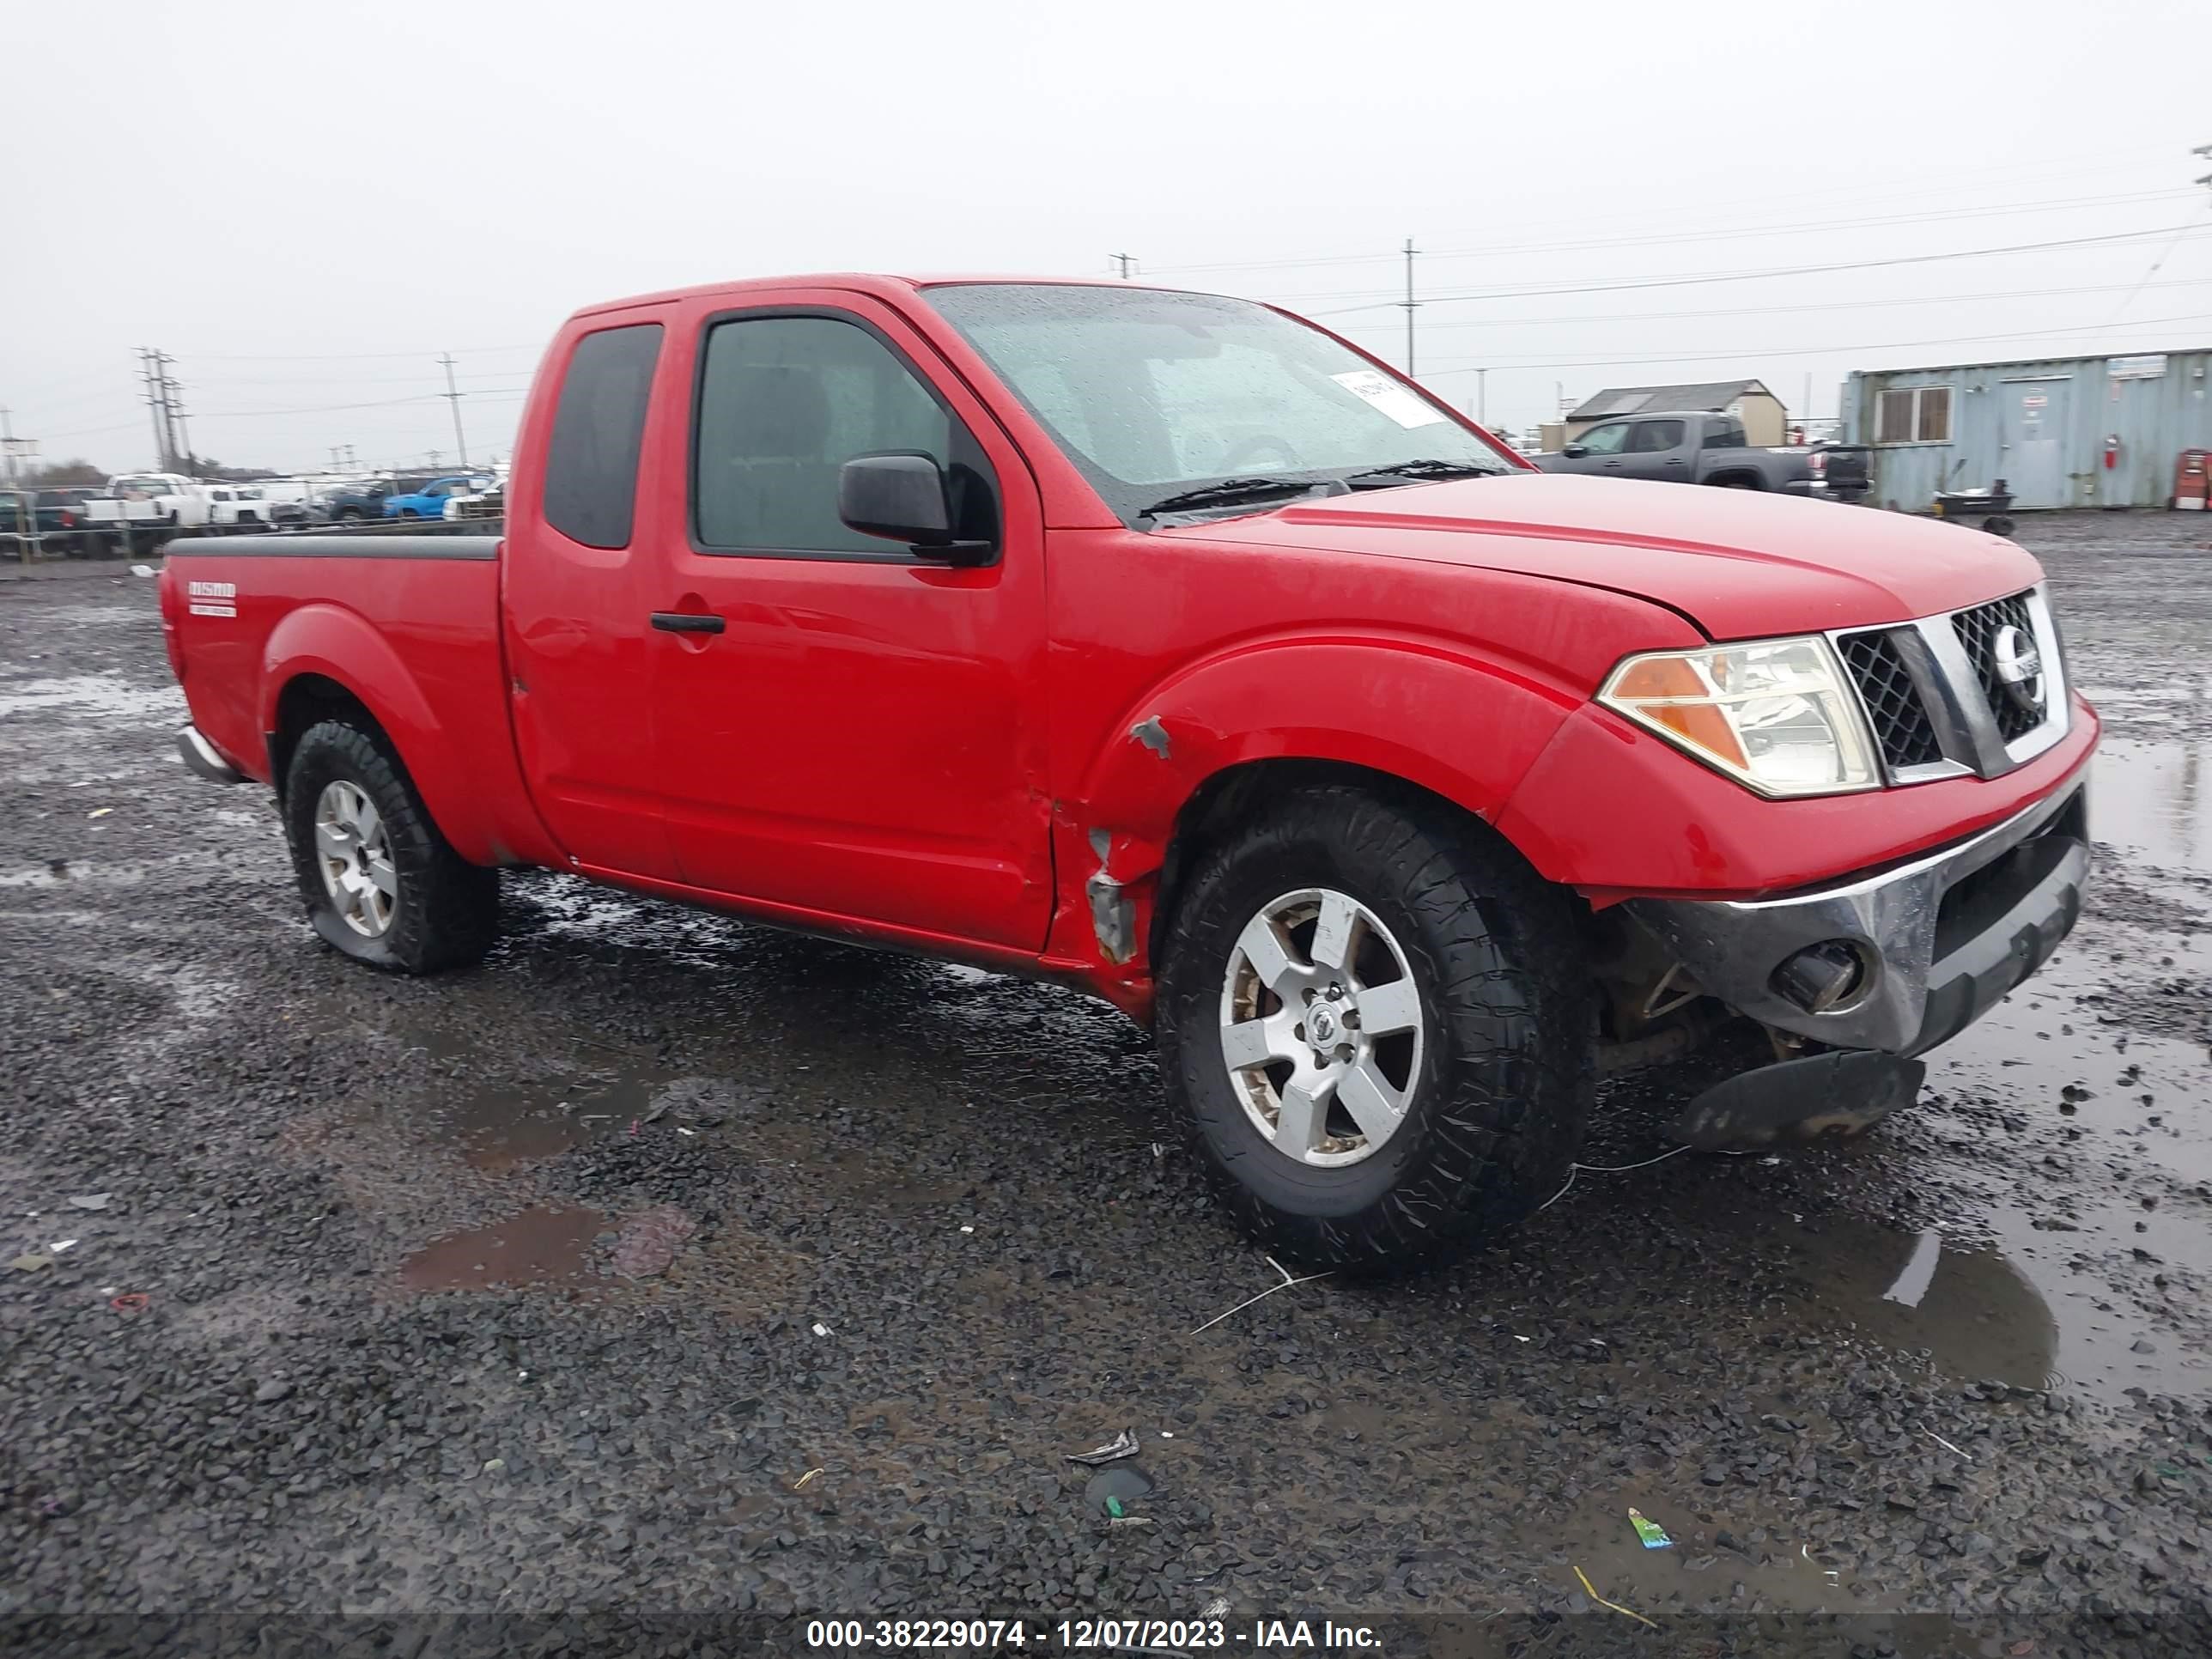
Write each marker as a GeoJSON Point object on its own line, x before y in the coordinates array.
{"type": "Point", "coordinates": [200, 755]}
{"type": "Point", "coordinates": [1913, 1000]}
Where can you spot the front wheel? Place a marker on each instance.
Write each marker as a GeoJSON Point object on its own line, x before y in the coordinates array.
{"type": "Point", "coordinates": [382, 884]}
{"type": "Point", "coordinates": [1375, 1019]}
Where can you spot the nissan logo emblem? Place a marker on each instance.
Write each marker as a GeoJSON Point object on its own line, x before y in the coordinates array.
{"type": "Point", "coordinates": [2019, 667]}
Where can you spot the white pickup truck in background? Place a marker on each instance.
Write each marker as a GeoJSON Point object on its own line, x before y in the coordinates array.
{"type": "Point", "coordinates": [162, 503]}
{"type": "Point", "coordinates": [237, 507]}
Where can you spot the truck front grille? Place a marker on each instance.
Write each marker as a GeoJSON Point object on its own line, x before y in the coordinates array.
{"type": "Point", "coordinates": [1893, 703]}
{"type": "Point", "coordinates": [1936, 699]}
{"type": "Point", "coordinates": [1978, 631]}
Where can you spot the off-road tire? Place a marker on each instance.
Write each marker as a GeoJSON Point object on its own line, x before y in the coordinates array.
{"type": "Point", "coordinates": [447, 911]}
{"type": "Point", "coordinates": [1508, 1069]}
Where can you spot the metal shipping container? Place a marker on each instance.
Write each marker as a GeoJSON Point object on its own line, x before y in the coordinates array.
{"type": "Point", "coordinates": [2044, 427]}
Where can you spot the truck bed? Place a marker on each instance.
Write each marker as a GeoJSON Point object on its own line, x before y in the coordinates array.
{"type": "Point", "coordinates": [256, 623]}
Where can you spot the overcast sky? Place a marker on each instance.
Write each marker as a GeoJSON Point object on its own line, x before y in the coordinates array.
{"type": "Point", "coordinates": [304, 205]}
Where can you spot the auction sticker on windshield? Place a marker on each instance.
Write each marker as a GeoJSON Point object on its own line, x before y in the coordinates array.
{"type": "Point", "coordinates": [1387, 395]}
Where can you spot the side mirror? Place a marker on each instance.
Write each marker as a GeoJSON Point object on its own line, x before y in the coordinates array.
{"type": "Point", "coordinates": [899, 497]}
{"type": "Point", "coordinates": [902, 496]}
{"type": "Point", "coordinates": [1574, 452]}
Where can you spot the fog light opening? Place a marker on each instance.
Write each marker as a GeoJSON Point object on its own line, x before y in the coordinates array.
{"type": "Point", "coordinates": [1824, 977]}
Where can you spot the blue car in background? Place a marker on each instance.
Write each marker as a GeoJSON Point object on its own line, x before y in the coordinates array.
{"type": "Point", "coordinates": [430, 502]}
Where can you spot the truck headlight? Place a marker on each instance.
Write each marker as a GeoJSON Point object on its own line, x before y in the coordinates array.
{"type": "Point", "coordinates": [1777, 715]}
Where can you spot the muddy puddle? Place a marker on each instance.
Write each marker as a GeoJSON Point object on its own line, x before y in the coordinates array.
{"type": "Point", "coordinates": [498, 1125]}
{"type": "Point", "coordinates": [2152, 800]}
{"type": "Point", "coordinates": [2095, 1068]}
{"type": "Point", "coordinates": [499, 1122]}
{"type": "Point", "coordinates": [539, 1246]}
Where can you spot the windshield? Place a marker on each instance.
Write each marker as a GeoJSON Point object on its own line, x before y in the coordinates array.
{"type": "Point", "coordinates": [1154, 394]}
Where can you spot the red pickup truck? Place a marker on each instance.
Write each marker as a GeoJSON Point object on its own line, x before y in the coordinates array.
{"type": "Point", "coordinates": [1166, 646]}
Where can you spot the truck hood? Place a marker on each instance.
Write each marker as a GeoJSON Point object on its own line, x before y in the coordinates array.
{"type": "Point", "coordinates": [1738, 564]}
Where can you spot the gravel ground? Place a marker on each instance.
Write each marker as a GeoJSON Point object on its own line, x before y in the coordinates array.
{"type": "Point", "coordinates": [664, 1269]}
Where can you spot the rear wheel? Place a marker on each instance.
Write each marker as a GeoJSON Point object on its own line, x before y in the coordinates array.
{"type": "Point", "coordinates": [1374, 1017]}
{"type": "Point", "coordinates": [382, 884]}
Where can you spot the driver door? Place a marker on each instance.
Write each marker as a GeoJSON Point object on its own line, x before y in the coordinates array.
{"type": "Point", "coordinates": [847, 733]}
{"type": "Point", "coordinates": [1657, 450]}
{"type": "Point", "coordinates": [1600, 448]}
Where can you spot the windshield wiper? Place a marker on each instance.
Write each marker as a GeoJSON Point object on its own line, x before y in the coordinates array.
{"type": "Point", "coordinates": [1229, 491]}
{"type": "Point", "coordinates": [1400, 472]}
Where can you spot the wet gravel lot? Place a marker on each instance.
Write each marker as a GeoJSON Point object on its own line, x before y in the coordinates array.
{"type": "Point", "coordinates": [665, 1268]}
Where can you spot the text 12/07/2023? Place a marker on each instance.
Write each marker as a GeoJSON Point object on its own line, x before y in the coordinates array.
{"type": "Point", "coordinates": [1110, 1635]}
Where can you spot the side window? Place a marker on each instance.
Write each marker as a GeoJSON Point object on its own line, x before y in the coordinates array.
{"type": "Point", "coordinates": [1893, 418]}
{"type": "Point", "coordinates": [784, 403]}
{"type": "Point", "coordinates": [1655, 437]}
{"type": "Point", "coordinates": [591, 467]}
{"type": "Point", "coordinates": [1604, 440]}
{"type": "Point", "coordinates": [1724, 435]}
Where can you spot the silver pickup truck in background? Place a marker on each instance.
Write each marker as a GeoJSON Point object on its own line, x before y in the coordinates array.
{"type": "Point", "coordinates": [1690, 446]}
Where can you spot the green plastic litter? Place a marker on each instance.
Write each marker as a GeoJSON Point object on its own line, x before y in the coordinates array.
{"type": "Point", "coordinates": [1653, 1534]}
{"type": "Point", "coordinates": [1114, 1508]}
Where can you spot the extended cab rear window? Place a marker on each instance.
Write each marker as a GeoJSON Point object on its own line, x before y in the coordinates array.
{"type": "Point", "coordinates": [591, 469]}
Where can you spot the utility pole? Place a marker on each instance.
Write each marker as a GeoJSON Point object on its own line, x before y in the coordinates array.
{"type": "Point", "coordinates": [188, 465]}
{"type": "Point", "coordinates": [1482, 396]}
{"type": "Point", "coordinates": [1411, 306]}
{"type": "Point", "coordinates": [1124, 261]}
{"type": "Point", "coordinates": [157, 400]}
{"type": "Point", "coordinates": [7, 441]}
{"type": "Point", "coordinates": [173, 453]}
{"type": "Point", "coordinates": [453, 397]}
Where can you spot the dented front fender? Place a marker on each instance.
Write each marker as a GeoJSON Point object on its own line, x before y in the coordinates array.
{"type": "Point", "coordinates": [1462, 724]}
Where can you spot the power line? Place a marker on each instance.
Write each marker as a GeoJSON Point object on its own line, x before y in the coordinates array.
{"type": "Point", "coordinates": [1822, 351]}
{"type": "Point", "coordinates": [1672, 237]}
{"type": "Point", "coordinates": [2164, 253]}
{"type": "Point", "coordinates": [338, 356]}
{"type": "Point", "coordinates": [348, 380]}
{"type": "Point", "coordinates": [1765, 311]}
{"type": "Point", "coordinates": [1887, 194]}
{"type": "Point", "coordinates": [1704, 277]}
{"type": "Point", "coordinates": [319, 409]}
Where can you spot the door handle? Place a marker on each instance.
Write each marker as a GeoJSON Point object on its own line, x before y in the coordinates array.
{"type": "Point", "coordinates": [686, 622]}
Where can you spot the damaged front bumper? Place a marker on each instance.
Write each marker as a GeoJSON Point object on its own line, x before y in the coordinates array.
{"type": "Point", "coordinates": [1936, 942]}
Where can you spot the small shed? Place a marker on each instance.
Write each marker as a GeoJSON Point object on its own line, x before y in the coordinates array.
{"type": "Point", "coordinates": [1750, 402]}
{"type": "Point", "coordinates": [2060, 431]}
